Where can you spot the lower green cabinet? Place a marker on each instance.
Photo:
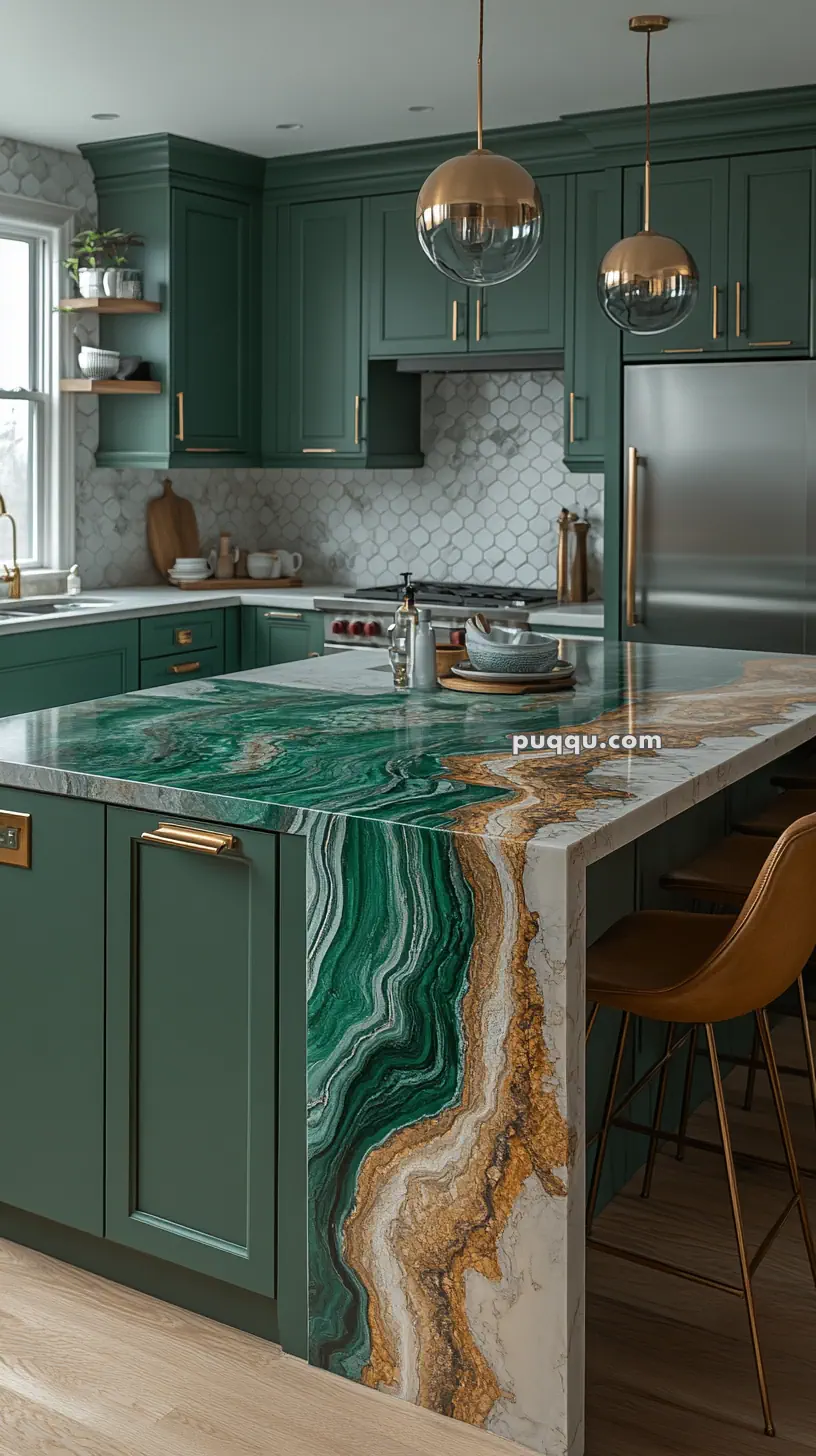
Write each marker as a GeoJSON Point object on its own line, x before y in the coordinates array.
{"type": "Point", "coordinates": [181, 666]}
{"type": "Point", "coordinates": [279, 634]}
{"type": "Point", "coordinates": [52, 1012]}
{"type": "Point", "coordinates": [44, 669]}
{"type": "Point", "coordinates": [191, 1050]}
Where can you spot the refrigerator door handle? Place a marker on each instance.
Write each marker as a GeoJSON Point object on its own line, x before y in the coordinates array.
{"type": "Point", "coordinates": [631, 538]}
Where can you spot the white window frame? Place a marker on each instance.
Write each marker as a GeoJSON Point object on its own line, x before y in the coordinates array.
{"type": "Point", "coordinates": [50, 227]}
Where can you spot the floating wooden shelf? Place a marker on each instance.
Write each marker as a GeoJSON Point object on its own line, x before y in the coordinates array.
{"type": "Point", "coordinates": [110, 305]}
{"type": "Point", "coordinates": [110, 386]}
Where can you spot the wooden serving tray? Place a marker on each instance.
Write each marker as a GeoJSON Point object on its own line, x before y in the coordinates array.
{"type": "Point", "coordinates": [462, 685]}
{"type": "Point", "coordinates": [239, 583]}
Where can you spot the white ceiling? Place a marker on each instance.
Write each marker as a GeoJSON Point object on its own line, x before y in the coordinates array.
{"type": "Point", "coordinates": [228, 71]}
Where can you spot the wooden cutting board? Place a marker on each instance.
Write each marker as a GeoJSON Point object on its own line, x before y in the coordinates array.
{"type": "Point", "coordinates": [463, 685]}
{"type": "Point", "coordinates": [172, 529]}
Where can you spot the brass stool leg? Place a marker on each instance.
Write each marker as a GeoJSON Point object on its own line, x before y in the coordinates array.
{"type": "Point", "coordinates": [753, 1068]}
{"type": "Point", "coordinates": [811, 1060]}
{"type": "Point", "coordinates": [687, 1089]}
{"type": "Point", "coordinates": [609, 1109]}
{"type": "Point", "coordinates": [736, 1210]}
{"type": "Point", "coordinates": [660, 1101]}
{"type": "Point", "coordinates": [784, 1128]}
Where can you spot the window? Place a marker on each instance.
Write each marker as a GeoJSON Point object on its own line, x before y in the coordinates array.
{"type": "Point", "coordinates": [36, 486]}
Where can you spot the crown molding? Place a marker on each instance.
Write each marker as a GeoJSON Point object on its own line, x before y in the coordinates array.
{"type": "Point", "coordinates": [163, 157]}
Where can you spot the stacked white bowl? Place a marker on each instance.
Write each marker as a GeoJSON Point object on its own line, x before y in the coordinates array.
{"type": "Point", "coordinates": [190, 568]}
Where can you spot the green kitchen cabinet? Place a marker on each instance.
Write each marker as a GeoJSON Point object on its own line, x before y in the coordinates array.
{"type": "Point", "coordinates": [155, 672]}
{"type": "Point", "coordinates": [592, 342]}
{"type": "Point", "coordinates": [192, 1049]}
{"type": "Point", "coordinates": [770, 252]}
{"type": "Point", "coordinates": [413, 308]}
{"type": "Point", "coordinates": [527, 313]}
{"type": "Point", "coordinates": [689, 203]}
{"type": "Point", "coordinates": [52, 1017]}
{"type": "Point", "coordinates": [279, 634]}
{"type": "Point", "coordinates": [198, 209]}
{"type": "Point", "coordinates": [49, 667]}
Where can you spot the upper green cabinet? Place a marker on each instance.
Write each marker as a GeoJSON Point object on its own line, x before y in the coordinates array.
{"type": "Point", "coordinates": [413, 308]}
{"type": "Point", "coordinates": [690, 203]}
{"type": "Point", "coordinates": [198, 209]}
{"type": "Point", "coordinates": [527, 313]}
{"type": "Point", "coordinates": [747, 224]}
{"type": "Point", "coordinates": [592, 342]}
{"type": "Point", "coordinates": [212, 349]}
{"type": "Point", "coordinates": [770, 252]}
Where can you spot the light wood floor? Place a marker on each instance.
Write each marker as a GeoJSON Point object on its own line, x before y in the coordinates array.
{"type": "Point", "coordinates": [91, 1369]}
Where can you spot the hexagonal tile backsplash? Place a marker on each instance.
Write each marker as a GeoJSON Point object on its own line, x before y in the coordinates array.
{"type": "Point", "coordinates": [483, 507]}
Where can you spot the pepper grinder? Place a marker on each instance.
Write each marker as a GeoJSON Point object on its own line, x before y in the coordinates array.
{"type": "Point", "coordinates": [579, 574]}
{"type": "Point", "coordinates": [565, 520]}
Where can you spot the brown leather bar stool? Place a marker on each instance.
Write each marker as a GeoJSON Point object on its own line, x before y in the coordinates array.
{"type": "Point", "coordinates": [786, 808]}
{"type": "Point", "coordinates": [723, 875]}
{"type": "Point", "coordinates": [686, 969]}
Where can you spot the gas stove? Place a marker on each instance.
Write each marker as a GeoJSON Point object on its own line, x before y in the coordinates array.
{"type": "Point", "coordinates": [361, 618]}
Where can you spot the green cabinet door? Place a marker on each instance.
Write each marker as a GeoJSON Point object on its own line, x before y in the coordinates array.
{"type": "Point", "coordinates": [49, 667]}
{"type": "Point", "coordinates": [528, 312]}
{"type": "Point", "coordinates": [413, 308]}
{"type": "Point", "coordinates": [214, 370]}
{"type": "Point", "coordinates": [770, 252]}
{"type": "Point", "coordinates": [52, 1013]}
{"type": "Point", "coordinates": [323, 354]}
{"type": "Point", "coordinates": [689, 203]}
{"type": "Point", "coordinates": [279, 634]}
{"type": "Point", "coordinates": [192, 1051]}
{"type": "Point", "coordinates": [592, 341]}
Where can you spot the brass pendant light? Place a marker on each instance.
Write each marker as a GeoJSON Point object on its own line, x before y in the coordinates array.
{"type": "Point", "coordinates": [649, 283]}
{"type": "Point", "coordinates": [479, 217]}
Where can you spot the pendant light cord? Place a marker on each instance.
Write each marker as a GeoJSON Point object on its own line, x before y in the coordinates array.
{"type": "Point", "coordinates": [479, 128]}
{"type": "Point", "coordinates": [647, 185]}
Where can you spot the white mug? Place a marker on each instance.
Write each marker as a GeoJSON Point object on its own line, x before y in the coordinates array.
{"type": "Point", "coordinates": [264, 565]}
{"type": "Point", "coordinates": [290, 562]}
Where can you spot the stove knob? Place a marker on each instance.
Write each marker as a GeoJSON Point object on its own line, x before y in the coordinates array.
{"type": "Point", "coordinates": [357, 628]}
{"type": "Point", "coordinates": [372, 629]}
{"type": "Point", "coordinates": [457, 637]}
{"type": "Point", "coordinates": [340, 627]}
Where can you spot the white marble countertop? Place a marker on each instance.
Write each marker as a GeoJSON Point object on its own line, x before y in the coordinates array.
{"type": "Point", "coordinates": [117, 604]}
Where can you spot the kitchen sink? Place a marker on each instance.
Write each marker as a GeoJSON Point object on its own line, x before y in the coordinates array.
{"type": "Point", "coordinates": [23, 610]}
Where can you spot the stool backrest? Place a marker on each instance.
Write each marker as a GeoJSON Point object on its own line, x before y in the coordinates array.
{"type": "Point", "coordinates": [774, 934]}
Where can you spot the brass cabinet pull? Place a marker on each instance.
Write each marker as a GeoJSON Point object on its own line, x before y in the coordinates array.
{"type": "Point", "coordinates": [200, 841]}
{"type": "Point", "coordinates": [683, 351]}
{"type": "Point", "coordinates": [183, 637]}
{"type": "Point", "coordinates": [180, 398]}
{"type": "Point", "coordinates": [178, 667]}
{"type": "Point", "coordinates": [715, 326]}
{"type": "Point", "coordinates": [739, 311]}
{"type": "Point", "coordinates": [285, 616]}
{"type": "Point", "coordinates": [572, 417]}
{"type": "Point", "coordinates": [313, 654]}
{"type": "Point", "coordinates": [208, 449]}
{"type": "Point", "coordinates": [319, 450]}
{"type": "Point", "coordinates": [455, 324]}
{"type": "Point", "coordinates": [356, 419]}
{"type": "Point", "coordinates": [15, 839]}
{"type": "Point", "coordinates": [478, 320]}
{"type": "Point", "coordinates": [631, 537]}
{"type": "Point", "coordinates": [772, 344]}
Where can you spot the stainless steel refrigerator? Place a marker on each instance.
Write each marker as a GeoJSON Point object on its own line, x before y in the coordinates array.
{"type": "Point", "coordinates": [719, 504]}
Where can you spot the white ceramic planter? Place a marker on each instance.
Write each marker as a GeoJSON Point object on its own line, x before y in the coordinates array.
{"type": "Point", "coordinates": [91, 282]}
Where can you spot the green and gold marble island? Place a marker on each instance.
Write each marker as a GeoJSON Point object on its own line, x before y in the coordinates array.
{"type": "Point", "coordinates": [446, 912]}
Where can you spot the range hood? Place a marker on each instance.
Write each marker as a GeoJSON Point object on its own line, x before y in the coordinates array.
{"type": "Point", "coordinates": [480, 363]}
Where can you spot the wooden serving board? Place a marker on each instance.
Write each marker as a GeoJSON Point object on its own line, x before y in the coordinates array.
{"type": "Point", "coordinates": [239, 583]}
{"type": "Point", "coordinates": [462, 685]}
{"type": "Point", "coordinates": [172, 529]}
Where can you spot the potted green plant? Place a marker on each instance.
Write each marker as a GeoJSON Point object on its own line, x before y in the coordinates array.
{"type": "Point", "coordinates": [96, 263]}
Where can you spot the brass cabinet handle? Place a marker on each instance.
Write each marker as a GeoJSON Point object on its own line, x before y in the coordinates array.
{"type": "Point", "coordinates": [183, 637]}
{"type": "Point", "coordinates": [319, 450]}
{"type": "Point", "coordinates": [200, 841]}
{"type": "Point", "coordinates": [572, 417]}
{"type": "Point", "coordinates": [715, 326]}
{"type": "Point", "coordinates": [356, 419]}
{"type": "Point", "coordinates": [208, 449]}
{"type": "Point", "coordinates": [180, 398]}
{"type": "Point", "coordinates": [478, 320]}
{"type": "Point", "coordinates": [455, 324]}
{"type": "Point", "coordinates": [739, 311]}
{"type": "Point", "coordinates": [313, 654]}
{"type": "Point", "coordinates": [683, 351]}
{"type": "Point", "coordinates": [772, 344]}
{"type": "Point", "coordinates": [631, 537]}
{"type": "Point", "coordinates": [15, 839]}
{"type": "Point", "coordinates": [184, 666]}
{"type": "Point", "coordinates": [286, 616]}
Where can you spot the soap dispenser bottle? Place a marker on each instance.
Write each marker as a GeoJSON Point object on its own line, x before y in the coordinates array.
{"type": "Point", "coordinates": [73, 585]}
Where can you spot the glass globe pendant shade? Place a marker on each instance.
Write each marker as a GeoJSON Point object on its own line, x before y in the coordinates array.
{"type": "Point", "coordinates": [648, 284]}
{"type": "Point", "coordinates": [479, 218]}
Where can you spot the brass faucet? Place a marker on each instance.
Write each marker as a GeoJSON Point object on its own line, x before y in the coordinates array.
{"type": "Point", "coordinates": [13, 576]}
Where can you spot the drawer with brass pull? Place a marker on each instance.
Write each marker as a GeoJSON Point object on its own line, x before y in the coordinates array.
{"type": "Point", "coordinates": [181, 667]}
{"type": "Point", "coordinates": [161, 636]}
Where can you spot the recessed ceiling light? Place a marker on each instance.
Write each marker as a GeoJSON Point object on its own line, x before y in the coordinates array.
{"type": "Point", "coordinates": [420, 108]}
{"type": "Point", "coordinates": [104, 116]}
{"type": "Point", "coordinates": [289, 126]}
